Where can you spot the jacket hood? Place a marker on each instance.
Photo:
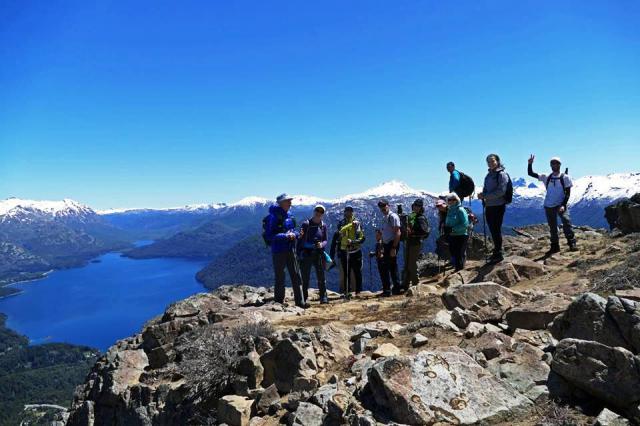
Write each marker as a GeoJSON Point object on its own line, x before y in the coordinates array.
{"type": "Point", "coordinates": [276, 209]}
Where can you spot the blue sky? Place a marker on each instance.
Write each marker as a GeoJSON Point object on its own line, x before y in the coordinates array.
{"type": "Point", "coordinates": [121, 104]}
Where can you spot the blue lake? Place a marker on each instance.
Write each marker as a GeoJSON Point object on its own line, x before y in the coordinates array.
{"type": "Point", "coordinates": [102, 302]}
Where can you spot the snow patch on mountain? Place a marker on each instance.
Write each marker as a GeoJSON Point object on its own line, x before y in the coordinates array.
{"type": "Point", "coordinates": [393, 188]}
{"type": "Point", "coordinates": [204, 208]}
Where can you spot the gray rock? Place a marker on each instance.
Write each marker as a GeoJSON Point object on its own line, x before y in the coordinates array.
{"type": "Point", "coordinates": [287, 361]}
{"type": "Point", "coordinates": [526, 268]}
{"type": "Point", "coordinates": [586, 318]}
{"type": "Point", "coordinates": [250, 367]}
{"type": "Point", "coordinates": [502, 273]}
{"type": "Point", "coordinates": [444, 385]}
{"type": "Point", "coordinates": [462, 318]}
{"type": "Point", "coordinates": [234, 410]}
{"type": "Point", "coordinates": [607, 373]}
{"type": "Point", "coordinates": [442, 320]}
{"type": "Point", "coordinates": [538, 312]}
{"type": "Point", "coordinates": [269, 401]}
{"type": "Point", "coordinates": [307, 415]}
{"type": "Point", "coordinates": [626, 314]}
{"type": "Point", "coordinates": [419, 340]}
{"type": "Point", "coordinates": [489, 301]}
{"type": "Point", "coordinates": [323, 395]}
{"type": "Point", "coordinates": [609, 418]}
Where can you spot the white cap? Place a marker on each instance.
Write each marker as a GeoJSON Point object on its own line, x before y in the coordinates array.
{"type": "Point", "coordinates": [320, 206]}
{"type": "Point", "coordinates": [555, 159]}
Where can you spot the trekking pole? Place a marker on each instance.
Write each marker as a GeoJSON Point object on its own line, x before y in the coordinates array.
{"type": "Point", "coordinates": [484, 230]}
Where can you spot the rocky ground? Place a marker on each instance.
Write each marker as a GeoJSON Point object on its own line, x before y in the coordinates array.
{"type": "Point", "coordinates": [528, 341]}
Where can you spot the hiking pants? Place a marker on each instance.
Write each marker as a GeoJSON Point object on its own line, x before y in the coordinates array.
{"type": "Point", "coordinates": [411, 255]}
{"type": "Point", "coordinates": [354, 267]}
{"type": "Point", "coordinates": [315, 259]}
{"type": "Point", "coordinates": [552, 220]}
{"type": "Point", "coordinates": [458, 250]}
{"type": "Point", "coordinates": [388, 268]}
{"type": "Point", "coordinates": [495, 216]}
{"type": "Point", "coordinates": [280, 262]}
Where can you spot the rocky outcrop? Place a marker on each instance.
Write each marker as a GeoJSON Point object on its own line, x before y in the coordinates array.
{"type": "Point", "coordinates": [612, 322]}
{"type": "Point", "coordinates": [537, 312]}
{"type": "Point", "coordinates": [624, 214]}
{"type": "Point", "coordinates": [444, 385]}
{"type": "Point", "coordinates": [488, 301]}
{"type": "Point", "coordinates": [611, 374]}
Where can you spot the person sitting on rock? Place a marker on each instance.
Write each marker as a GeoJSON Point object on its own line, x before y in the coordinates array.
{"type": "Point", "coordinates": [458, 221]}
{"type": "Point", "coordinates": [280, 231]}
{"type": "Point", "coordinates": [558, 186]}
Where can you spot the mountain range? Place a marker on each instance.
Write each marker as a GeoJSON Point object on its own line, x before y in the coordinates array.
{"type": "Point", "coordinates": [36, 236]}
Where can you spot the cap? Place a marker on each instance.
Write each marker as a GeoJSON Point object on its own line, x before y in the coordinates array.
{"type": "Point", "coordinates": [320, 207]}
{"type": "Point", "coordinates": [283, 197]}
{"type": "Point", "coordinates": [440, 203]}
{"type": "Point", "coordinates": [383, 202]}
{"type": "Point", "coordinates": [450, 163]}
{"type": "Point", "coordinates": [554, 159]}
{"type": "Point", "coordinates": [418, 202]}
{"type": "Point", "coordinates": [348, 207]}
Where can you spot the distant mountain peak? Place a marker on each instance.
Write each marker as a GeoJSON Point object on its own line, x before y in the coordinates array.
{"type": "Point", "coordinates": [65, 207]}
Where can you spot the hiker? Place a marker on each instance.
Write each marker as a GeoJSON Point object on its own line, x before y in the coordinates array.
{"type": "Point", "coordinates": [442, 244]}
{"type": "Point", "coordinates": [417, 231]}
{"type": "Point", "coordinates": [312, 241]}
{"type": "Point", "coordinates": [558, 186]}
{"type": "Point", "coordinates": [459, 182]}
{"type": "Point", "coordinates": [280, 232]}
{"type": "Point", "coordinates": [496, 194]}
{"type": "Point", "coordinates": [389, 235]}
{"type": "Point", "coordinates": [350, 237]}
{"type": "Point", "coordinates": [458, 221]}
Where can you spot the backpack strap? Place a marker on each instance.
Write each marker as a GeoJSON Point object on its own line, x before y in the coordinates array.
{"type": "Point", "coordinates": [561, 177]}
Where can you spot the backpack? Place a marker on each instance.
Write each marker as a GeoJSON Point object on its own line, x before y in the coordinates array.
{"type": "Point", "coordinates": [421, 232]}
{"type": "Point", "coordinates": [404, 225]}
{"type": "Point", "coordinates": [466, 187]}
{"type": "Point", "coordinates": [473, 219]}
{"type": "Point", "coordinates": [508, 195]}
{"type": "Point", "coordinates": [280, 227]}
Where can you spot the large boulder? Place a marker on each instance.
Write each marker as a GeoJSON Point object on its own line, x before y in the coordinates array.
{"type": "Point", "coordinates": [612, 322]}
{"type": "Point", "coordinates": [607, 373]}
{"type": "Point", "coordinates": [286, 362]}
{"type": "Point", "coordinates": [488, 301]}
{"type": "Point", "coordinates": [234, 410]}
{"type": "Point", "coordinates": [538, 312]}
{"type": "Point", "coordinates": [502, 273]}
{"type": "Point", "coordinates": [443, 385]}
{"type": "Point", "coordinates": [624, 214]}
{"type": "Point", "coordinates": [307, 414]}
{"type": "Point", "coordinates": [526, 268]}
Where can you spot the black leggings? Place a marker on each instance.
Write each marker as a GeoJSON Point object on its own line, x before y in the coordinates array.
{"type": "Point", "coordinates": [355, 266]}
{"type": "Point", "coordinates": [495, 216]}
{"type": "Point", "coordinates": [458, 250]}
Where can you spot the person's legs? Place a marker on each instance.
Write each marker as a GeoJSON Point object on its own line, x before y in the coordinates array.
{"type": "Point", "coordinates": [463, 250]}
{"type": "Point", "coordinates": [294, 274]}
{"type": "Point", "coordinates": [392, 267]}
{"type": "Point", "coordinates": [322, 284]}
{"type": "Point", "coordinates": [346, 278]}
{"type": "Point", "coordinates": [454, 248]}
{"type": "Point", "coordinates": [495, 217]}
{"type": "Point", "coordinates": [567, 227]}
{"type": "Point", "coordinates": [355, 263]}
{"type": "Point", "coordinates": [279, 263]}
{"type": "Point", "coordinates": [552, 221]}
{"type": "Point", "coordinates": [305, 266]}
{"type": "Point", "coordinates": [413, 253]}
{"type": "Point", "coordinates": [384, 275]}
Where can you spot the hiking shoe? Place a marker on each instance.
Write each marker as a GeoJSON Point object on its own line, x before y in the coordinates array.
{"type": "Point", "coordinates": [385, 294]}
{"type": "Point", "coordinates": [553, 250]}
{"type": "Point", "coordinates": [324, 300]}
{"type": "Point", "coordinates": [496, 258]}
{"type": "Point", "coordinates": [573, 247]}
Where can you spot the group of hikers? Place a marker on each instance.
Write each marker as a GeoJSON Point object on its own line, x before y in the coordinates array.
{"type": "Point", "coordinates": [299, 250]}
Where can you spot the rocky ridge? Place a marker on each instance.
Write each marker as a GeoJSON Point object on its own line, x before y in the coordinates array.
{"type": "Point", "coordinates": [556, 339]}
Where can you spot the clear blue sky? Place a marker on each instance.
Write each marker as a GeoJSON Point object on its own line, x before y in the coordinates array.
{"type": "Point", "coordinates": [158, 103]}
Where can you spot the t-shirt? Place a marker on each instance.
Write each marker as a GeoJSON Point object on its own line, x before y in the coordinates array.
{"type": "Point", "coordinates": [388, 223]}
{"type": "Point", "coordinates": [555, 191]}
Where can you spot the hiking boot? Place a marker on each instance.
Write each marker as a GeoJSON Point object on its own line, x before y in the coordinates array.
{"type": "Point", "coordinates": [495, 258]}
{"type": "Point", "coordinates": [555, 248]}
{"type": "Point", "coordinates": [324, 300]}
{"type": "Point", "coordinates": [385, 294]}
{"type": "Point", "coordinates": [573, 247]}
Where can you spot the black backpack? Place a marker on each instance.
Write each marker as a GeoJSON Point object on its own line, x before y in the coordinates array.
{"type": "Point", "coordinates": [466, 187]}
{"type": "Point", "coordinates": [508, 195]}
{"type": "Point", "coordinates": [561, 177]}
{"type": "Point", "coordinates": [421, 228]}
{"type": "Point", "coordinates": [265, 223]}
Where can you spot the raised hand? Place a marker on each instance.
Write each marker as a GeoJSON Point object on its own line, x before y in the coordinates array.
{"type": "Point", "coordinates": [532, 158]}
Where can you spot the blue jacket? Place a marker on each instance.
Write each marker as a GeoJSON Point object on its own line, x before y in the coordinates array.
{"type": "Point", "coordinates": [278, 224]}
{"type": "Point", "coordinates": [454, 180]}
{"type": "Point", "coordinates": [495, 187]}
{"type": "Point", "coordinates": [457, 220]}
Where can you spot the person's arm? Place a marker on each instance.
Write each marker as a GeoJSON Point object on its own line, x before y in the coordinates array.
{"type": "Point", "coordinates": [454, 181]}
{"type": "Point", "coordinates": [271, 230]}
{"type": "Point", "coordinates": [334, 243]}
{"type": "Point", "coordinates": [359, 234]}
{"type": "Point", "coordinates": [323, 242]}
{"type": "Point", "coordinates": [567, 195]}
{"type": "Point", "coordinates": [501, 188]}
{"type": "Point", "coordinates": [531, 172]}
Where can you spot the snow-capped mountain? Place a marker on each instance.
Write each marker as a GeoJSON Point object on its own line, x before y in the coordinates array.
{"type": "Point", "coordinates": [24, 210]}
